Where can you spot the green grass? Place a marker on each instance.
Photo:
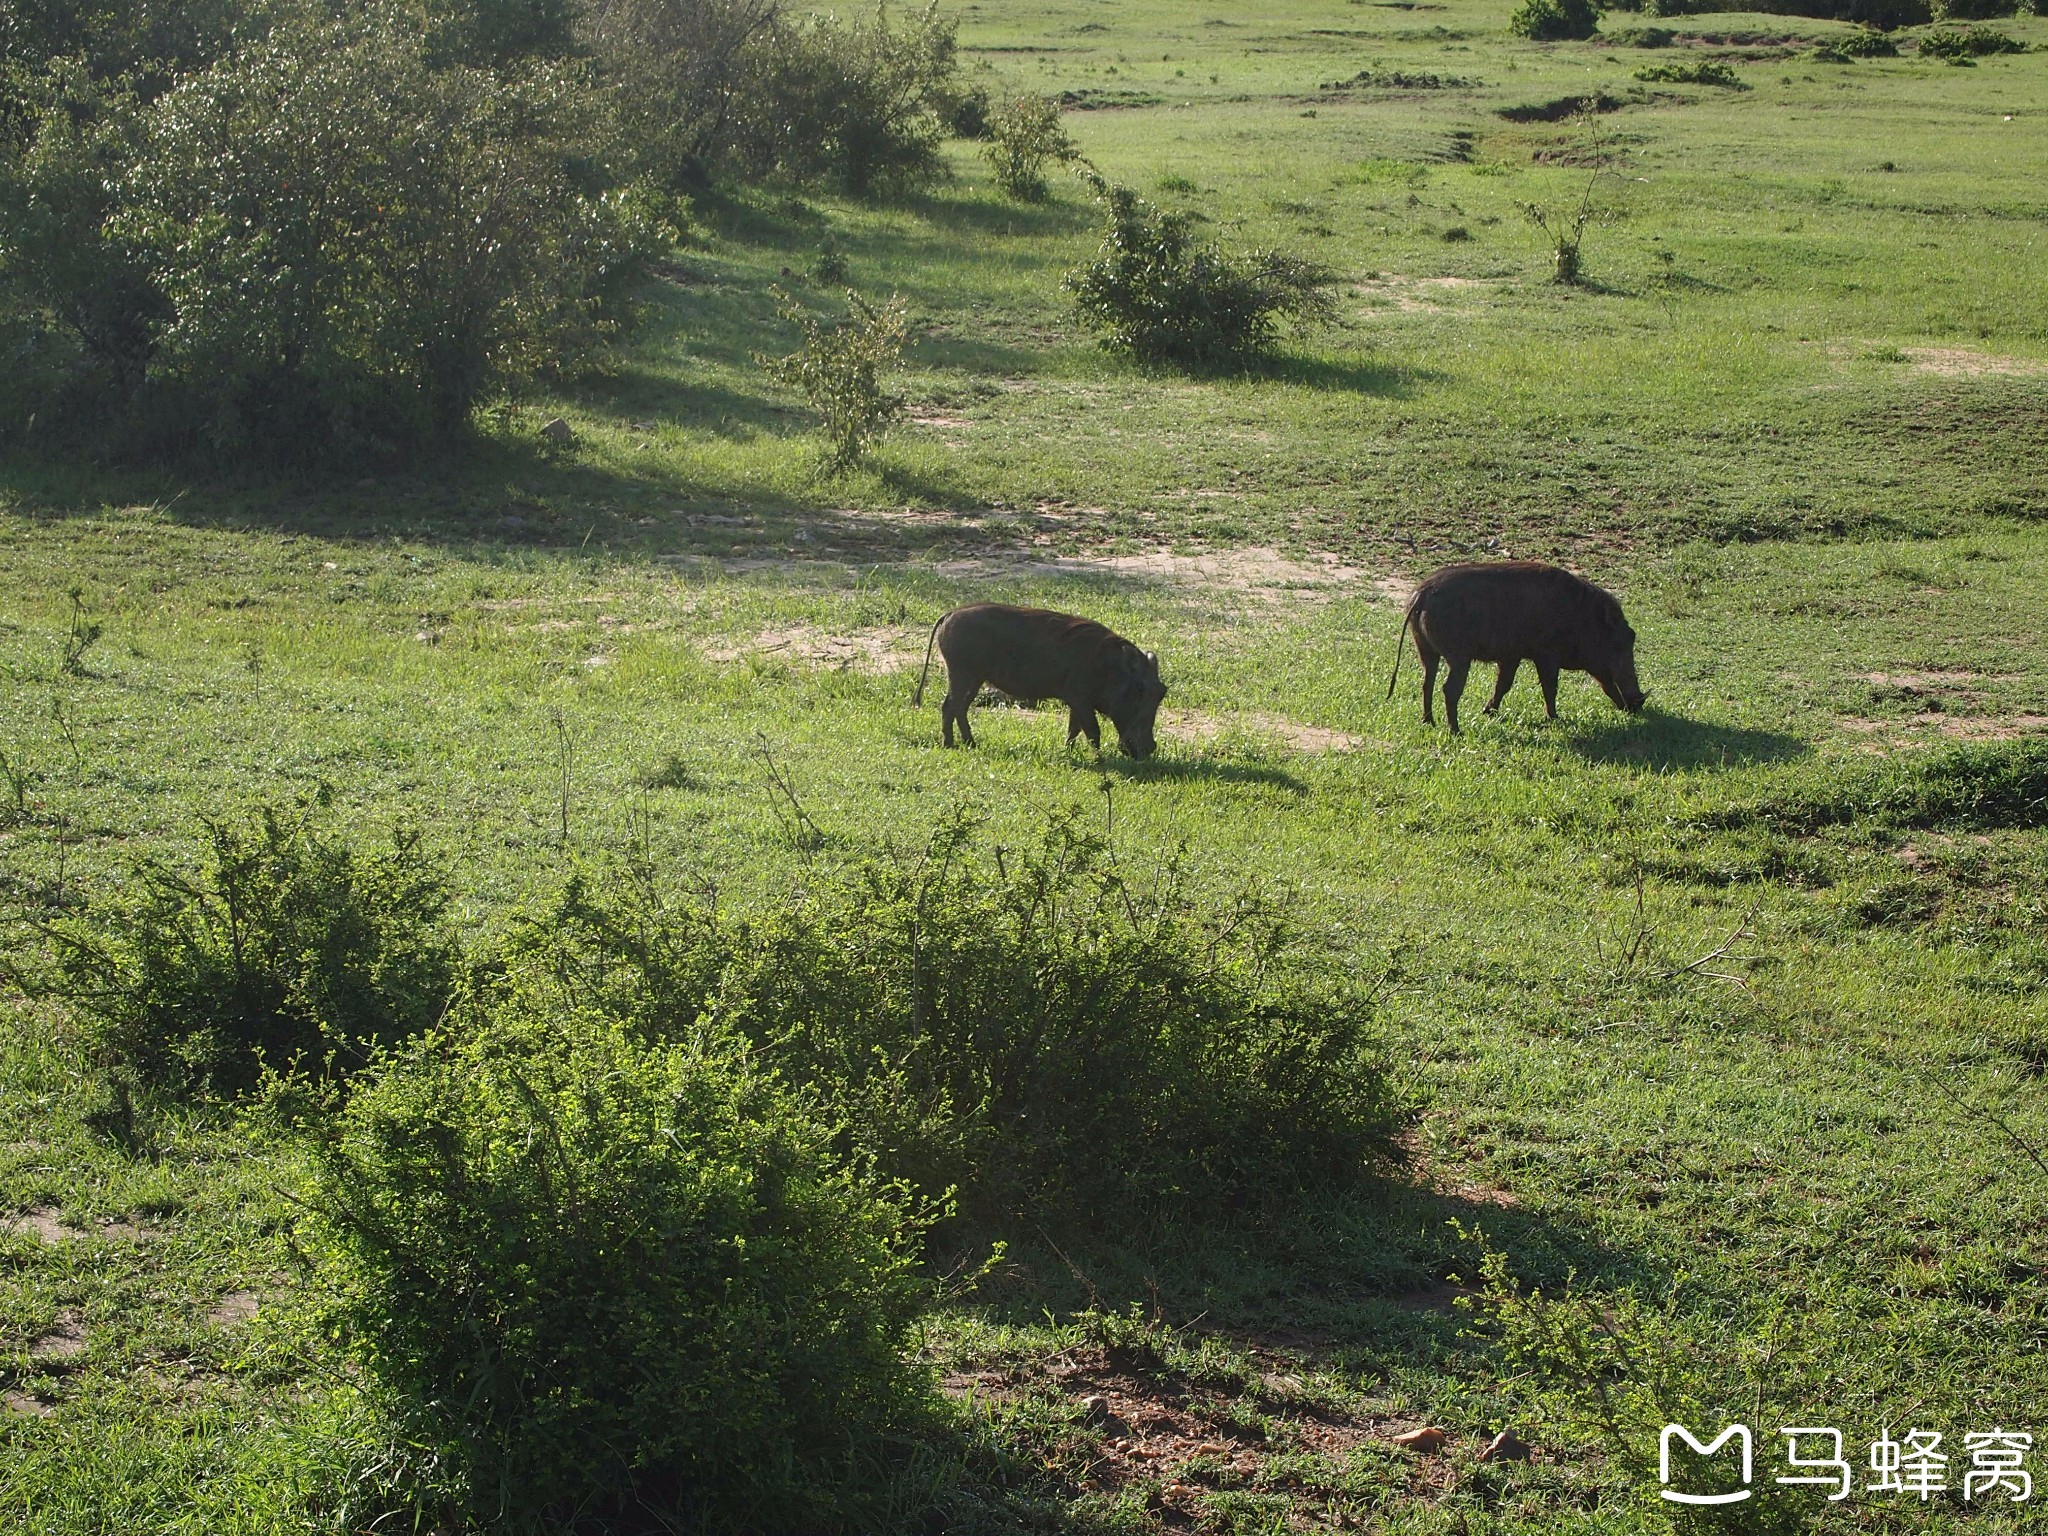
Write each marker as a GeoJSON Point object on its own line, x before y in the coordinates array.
{"type": "Point", "coordinates": [1794, 420]}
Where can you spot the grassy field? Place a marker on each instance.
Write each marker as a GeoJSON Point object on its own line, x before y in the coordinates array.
{"type": "Point", "coordinates": [1724, 1022]}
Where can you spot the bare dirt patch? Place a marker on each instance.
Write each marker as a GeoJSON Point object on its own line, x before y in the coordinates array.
{"type": "Point", "coordinates": [874, 651]}
{"type": "Point", "coordinates": [1395, 294]}
{"type": "Point", "coordinates": [41, 1223]}
{"type": "Point", "coordinates": [234, 1308]}
{"type": "Point", "coordinates": [1452, 1180]}
{"type": "Point", "coordinates": [1257, 574]}
{"type": "Point", "coordinates": [30, 1403]}
{"type": "Point", "coordinates": [1194, 725]}
{"type": "Point", "coordinates": [1930, 723]}
{"type": "Point", "coordinates": [1147, 1424]}
{"type": "Point", "coordinates": [64, 1340]}
{"type": "Point", "coordinates": [1439, 1296]}
{"type": "Point", "coordinates": [1921, 680]}
{"type": "Point", "coordinates": [1961, 363]}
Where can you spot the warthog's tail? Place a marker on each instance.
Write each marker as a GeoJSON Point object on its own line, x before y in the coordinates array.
{"type": "Point", "coordinates": [1400, 636]}
{"type": "Point", "coordinates": [917, 695]}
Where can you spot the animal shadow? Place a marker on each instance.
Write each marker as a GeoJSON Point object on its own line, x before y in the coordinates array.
{"type": "Point", "coordinates": [1189, 770]}
{"type": "Point", "coordinates": [1659, 739]}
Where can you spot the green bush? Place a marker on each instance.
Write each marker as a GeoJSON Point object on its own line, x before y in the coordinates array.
{"type": "Point", "coordinates": [1160, 296]}
{"type": "Point", "coordinates": [286, 951]}
{"type": "Point", "coordinates": [354, 247]}
{"type": "Point", "coordinates": [601, 1278]}
{"type": "Point", "coordinates": [1546, 21]}
{"type": "Point", "coordinates": [1026, 1027]}
{"type": "Point", "coordinates": [487, 33]}
{"type": "Point", "coordinates": [1864, 44]}
{"type": "Point", "coordinates": [144, 42]}
{"type": "Point", "coordinates": [84, 295]}
{"type": "Point", "coordinates": [1024, 137]}
{"type": "Point", "coordinates": [1705, 73]}
{"type": "Point", "coordinates": [860, 101]}
{"type": "Point", "coordinates": [1964, 46]}
{"type": "Point", "coordinates": [839, 369]}
{"type": "Point", "coordinates": [674, 72]}
{"type": "Point", "coordinates": [965, 110]}
{"type": "Point", "coordinates": [321, 245]}
{"type": "Point", "coordinates": [1973, 10]}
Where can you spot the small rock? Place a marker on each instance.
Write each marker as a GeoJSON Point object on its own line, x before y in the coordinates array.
{"type": "Point", "coordinates": [646, 426]}
{"type": "Point", "coordinates": [1095, 1410]}
{"type": "Point", "coordinates": [1426, 1440]}
{"type": "Point", "coordinates": [558, 431]}
{"type": "Point", "coordinates": [1505, 1446]}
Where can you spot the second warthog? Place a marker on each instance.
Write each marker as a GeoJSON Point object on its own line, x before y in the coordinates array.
{"type": "Point", "coordinates": [1034, 653]}
{"type": "Point", "coordinates": [1511, 611]}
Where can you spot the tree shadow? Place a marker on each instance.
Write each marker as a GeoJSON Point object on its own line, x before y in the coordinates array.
{"type": "Point", "coordinates": [1349, 375]}
{"type": "Point", "coordinates": [998, 216]}
{"type": "Point", "coordinates": [1661, 740]}
{"type": "Point", "coordinates": [1369, 1265]}
{"type": "Point", "coordinates": [1312, 370]}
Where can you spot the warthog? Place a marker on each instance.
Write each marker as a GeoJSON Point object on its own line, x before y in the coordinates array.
{"type": "Point", "coordinates": [1512, 611]}
{"type": "Point", "coordinates": [1032, 653]}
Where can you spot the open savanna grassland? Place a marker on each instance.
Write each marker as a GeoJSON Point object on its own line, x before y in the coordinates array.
{"type": "Point", "coordinates": [1725, 1021]}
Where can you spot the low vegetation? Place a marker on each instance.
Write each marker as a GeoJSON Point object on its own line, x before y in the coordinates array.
{"type": "Point", "coordinates": [287, 951]}
{"type": "Point", "coordinates": [1159, 295]}
{"type": "Point", "coordinates": [595, 1278]}
{"type": "Point", "coordinates": [1024, 137]}
{"type": "Point", "coordinates": [840, 371]}
{"type": "Point", "coordinates": [938, 1001]}
{"type": "Point", "coordinates": [1549, 21]}
{"type": "Point", "coordinates": [302, 239]}
{"type": "Point", "coordinates": [511, 1021]}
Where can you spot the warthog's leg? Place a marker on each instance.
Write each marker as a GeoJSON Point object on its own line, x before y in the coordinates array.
{"type": "Point", "coordinates": [1081, 721]}
{"type": "Point", "coordinates": [1429, 659]}
{"type": "Point", "coordinates": [1546, 674]}
{"type": "Point", "coordinates": [958, 698]}
{"type": "Point", "coordinates": [1502, 683]}
{"type": "Point", "coordinates": [1454, 688]}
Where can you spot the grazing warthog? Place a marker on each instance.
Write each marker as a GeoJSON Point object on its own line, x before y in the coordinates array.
{"type": "Point", "coordinates": [1032, 653]}
{"type": "Point", "coordinates": [1512, 611]}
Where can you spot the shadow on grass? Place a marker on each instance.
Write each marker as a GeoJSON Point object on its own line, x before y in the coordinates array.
{"type": "Point", "coordinates": [1344, 375]}
{"type": "Point", "coordinates": [997, 216]}
{"type": "Point", "coordinates": [1194, 770]}
{"type": "Point", "coordinates": [1657, 739]}
{"type": "Point", "coordinates": [1373, 1265]}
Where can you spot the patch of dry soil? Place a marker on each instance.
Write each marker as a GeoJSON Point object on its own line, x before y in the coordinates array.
{"type": "Point", "coordinates": [1155, 1427]}
{"type": "Point", "coordinates": [235, 1307]}
{"type": "Point", "coordinates": [1961, 363]}
{"type": "Point", "coordinates": [1194, 725]}
{"type": "Point", "coordinates": [65, 1340]}
{"type": "Point", "coordinates": [42, 1223]}
{"type": "Point", "coordinates": [876, 651]}
{"type": "Point", "coordinates": [1929, 723]}
{"type": "Point", "coordinates": [1394, 294]}
{"type": "Point", "coordinates": [1256, 573]}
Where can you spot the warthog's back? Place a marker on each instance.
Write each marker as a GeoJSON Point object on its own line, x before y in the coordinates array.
{"type": "Point", "coordinates": [1029, 653]}
{"type": "Point", "coordinates": [1505, 610]}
